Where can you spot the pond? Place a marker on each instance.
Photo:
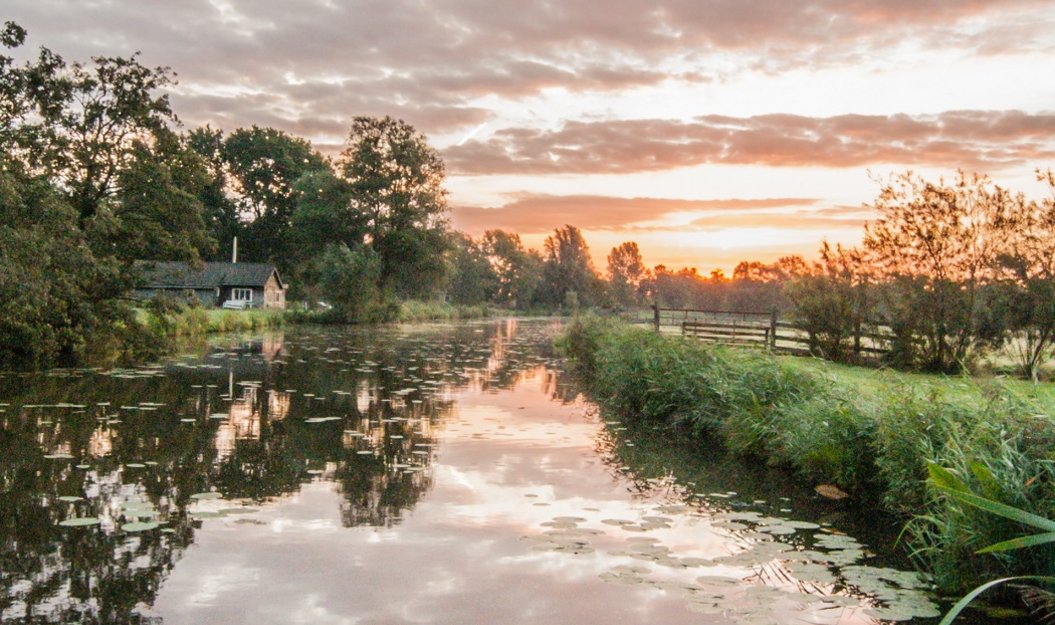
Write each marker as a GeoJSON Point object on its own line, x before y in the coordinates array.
{"type": "Point", "coordinates": [415, 474]}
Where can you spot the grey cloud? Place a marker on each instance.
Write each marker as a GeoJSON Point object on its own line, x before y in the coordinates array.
{"type": "Point", "coordinates": [970, 139]}
{"type": "Point", "coordinates": [424, 57]}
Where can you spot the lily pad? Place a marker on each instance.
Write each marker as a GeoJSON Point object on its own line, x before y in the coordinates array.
{"type": "Point", "coordinates": [208, 495]}
{"type": "Point", "coordinates": [80, 521]}
{"type": "Point", "coordinates": [830, 491]}
{"type": "Point", "coordinates": [140, 526]}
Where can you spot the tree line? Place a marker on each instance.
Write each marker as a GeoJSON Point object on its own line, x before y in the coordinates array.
{"type": "Point", "coordinates": [97, 172]}
{"type": "Point", "coordinates": [948, 270]}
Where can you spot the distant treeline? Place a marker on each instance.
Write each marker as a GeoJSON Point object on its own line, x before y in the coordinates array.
{"type": "Point", "coordinates": [950, 269]}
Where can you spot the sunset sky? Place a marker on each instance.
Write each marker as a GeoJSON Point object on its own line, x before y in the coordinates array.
{"type": "Point", "coordinates": [707, 131]}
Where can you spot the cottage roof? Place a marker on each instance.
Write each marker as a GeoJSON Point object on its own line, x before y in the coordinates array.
{"type": "Point", "coordinates": [179, 275]}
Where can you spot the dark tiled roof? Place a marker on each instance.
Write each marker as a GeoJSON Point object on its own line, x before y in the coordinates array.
{"type": "Point", "coordinates": [166, 274]}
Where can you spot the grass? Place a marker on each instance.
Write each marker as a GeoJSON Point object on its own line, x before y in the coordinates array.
{"type": "Point", "coordinates": [872, 433]}
{"type": "Point", "coordinates": [413, 310]}
{"type": "Point", "coordinates": [191, 322]}
{"type": "Point", "coordinates": [409, 311]}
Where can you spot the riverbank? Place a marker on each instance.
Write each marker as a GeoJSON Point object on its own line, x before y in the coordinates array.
{"type": "Point", "coordinates": [189, 322]}
{"type": "Point", "coordinates": [409, 311]}
{"type": "Point", "coordinates": [868, 433]}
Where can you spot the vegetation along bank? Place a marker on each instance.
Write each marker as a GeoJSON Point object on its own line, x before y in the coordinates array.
{"type": "Point", "coordinates": [870, 433]}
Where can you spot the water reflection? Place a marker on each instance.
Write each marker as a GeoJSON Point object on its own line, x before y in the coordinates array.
{"type": "Point", "coordinates": [249, 420]}
{"type": "Point", "coordinates": [427, 474]}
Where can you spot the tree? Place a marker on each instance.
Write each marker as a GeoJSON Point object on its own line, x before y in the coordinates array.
{"type": "Point", "coordinates": [219, 210]}
{"type": "Point", "coordinates": [264, 166]}
{"type": "Point", "coordinates": [55, 293]}
{"type": "Point", "coordinates": [831, 302]}
{"type": "Point", "coordinates": [1024, 295]}
{"type": "Point", "coordinates": [111, 106]}
{"type": "Point", "coordinates": [628, 278]}
{"type": "Point", "coordinates": [517, 270]}
{"type": "Point", "coordinates": [396, 182]}
{"type": "Point", "coordinates": [91, 177]}
{"type": "Point", "coordinates": [759, 286]}
{"type": "Point", "coordinates": [472, 278]}
{"type": "Point", "coordinates": [567, 268]}
{"type": "Point", "coordinates": [156, 213]}
{"type": "Point", "coordinates": [348, 280]}
{"type": "Point", "coordinates": [931, 248]}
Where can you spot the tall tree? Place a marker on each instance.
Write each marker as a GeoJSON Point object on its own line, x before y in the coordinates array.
{"type": "Point", "coordinates": [113, 104]}
{"type": "Point", "coordinates": [568, 268]}
{"type": "Point", "coordinates": [219, 210]}
{"type": "Point", "coordinates": [264, 165]}
{"type": "Point", "coordinates": [92, 177]}
{"type": "Point", "coordinates": [157, 212]}
{"type": "Point", "coordinates": [472, 278]}
{"type": "Point", "coordinates": [397, 182]}
{"type": "Point", "coordinates": [518, 270]}
{"type": "Point", "coordinates": [627, 275]}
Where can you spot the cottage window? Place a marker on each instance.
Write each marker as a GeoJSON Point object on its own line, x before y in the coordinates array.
{"type": "Point", "coordinates": [242, 295]}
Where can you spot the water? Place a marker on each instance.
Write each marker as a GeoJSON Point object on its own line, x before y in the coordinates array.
{"type": "Point", "coordinates": [428, 474]}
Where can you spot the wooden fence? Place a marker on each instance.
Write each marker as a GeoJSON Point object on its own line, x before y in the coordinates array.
{"type": "Point", "coordinates": [763, 330]}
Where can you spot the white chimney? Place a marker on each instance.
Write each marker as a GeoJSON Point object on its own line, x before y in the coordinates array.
{"type": "Point", "coordinates": [234, 251]}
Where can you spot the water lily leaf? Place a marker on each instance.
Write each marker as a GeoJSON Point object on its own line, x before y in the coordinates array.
{"type": "Point", "coordinates": [830, 491]}
{"type": "Point", "coordinates": [209, 495]}
{"type": "Point", "coordinates": [140, 526]}
{"type": "Point", "coordinates": [80, 521]}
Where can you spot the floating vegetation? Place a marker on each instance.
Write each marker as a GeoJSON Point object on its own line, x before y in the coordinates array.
{"type": "Point", "coordinates": [140, 526]}
{"type": "Point", "coordinates": [753, 586]}
{"type": "Point", "coordinates": [81, 521]}
{"type": "Point", "coordinates": [208, 495]}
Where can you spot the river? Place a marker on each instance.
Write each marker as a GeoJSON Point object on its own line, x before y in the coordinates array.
{"type": "Point", "coordinates": [423, 474]}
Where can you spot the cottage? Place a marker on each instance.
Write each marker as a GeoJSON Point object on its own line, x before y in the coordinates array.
{"type": "Point", "coordinates": [248, 285]}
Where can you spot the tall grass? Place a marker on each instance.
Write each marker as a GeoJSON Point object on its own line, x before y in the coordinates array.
{"type": "Point", "coordinates": [409, 311]}
{"type": "Point", "coordinates": [414, 310]}
{"type": "Point", "coordinates": [870, 433]}
{"type": "Point", "coordinates": [192, 322]}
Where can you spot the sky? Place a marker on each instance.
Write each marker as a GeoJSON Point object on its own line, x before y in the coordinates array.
{"type": "Point", "coordinates": [708, 131]}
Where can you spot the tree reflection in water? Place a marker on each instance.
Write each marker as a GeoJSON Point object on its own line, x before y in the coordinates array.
{"type": "Point", "coordinates": [249, 420]}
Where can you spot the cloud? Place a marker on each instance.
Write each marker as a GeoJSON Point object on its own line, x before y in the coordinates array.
{"type": "Point", "coordinates": [326, 61]}
{"type": "Point", "coordinates": [537, 213]}
{"type": "Point", "coordinates": [970, 139]}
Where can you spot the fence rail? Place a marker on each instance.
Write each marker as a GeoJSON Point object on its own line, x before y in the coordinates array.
{"type": "Point", "coordinates": [760, 329]}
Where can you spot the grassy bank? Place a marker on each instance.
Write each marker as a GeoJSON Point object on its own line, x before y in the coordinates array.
{"type": "Point", "coordinates": [399, 312]}
{"type": "Point", "coordinates": [189, 322]}
{"type": "Point", "coordinates": [411, 311]}
{"type": "Point", "coordinates": [871, 433]}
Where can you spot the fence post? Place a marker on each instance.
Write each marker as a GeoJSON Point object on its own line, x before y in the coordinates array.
{"type": "Point", "coordinates": [773, 329]}
{"type": "Point", "coordinates": [655, 315]}
{"type": "Point", "coordinates": [857, 339]}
